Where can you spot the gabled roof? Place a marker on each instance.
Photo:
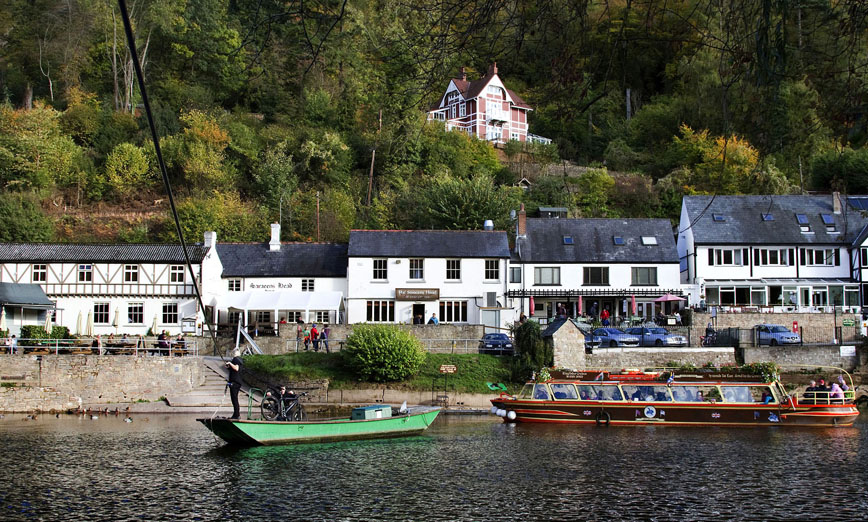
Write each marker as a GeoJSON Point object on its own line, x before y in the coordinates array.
{"type": "Point", "coordinates": [740, 220]}
{"type": "Point", "coordinates": [428, 243]}
{"type": "Point", "coordinates": [96, 253]}
{"type": "Point", "coordinates": [594, 241]}
{"type": "Point", "coordinates": [472, 89]}
{"type": "Point", "coordinates": [25, 295]}
{"type": "Point", "coordinates": [292, 260]}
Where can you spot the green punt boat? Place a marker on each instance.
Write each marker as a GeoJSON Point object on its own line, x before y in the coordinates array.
{"type": "Point", "coordinates": [259, 432]}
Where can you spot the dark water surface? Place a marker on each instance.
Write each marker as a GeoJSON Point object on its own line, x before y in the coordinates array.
{"type": "Point", "coordinates": [162, 467]}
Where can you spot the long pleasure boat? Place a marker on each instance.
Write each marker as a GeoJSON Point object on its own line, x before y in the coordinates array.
{"type": "Point", "coordinates": [679, 398]}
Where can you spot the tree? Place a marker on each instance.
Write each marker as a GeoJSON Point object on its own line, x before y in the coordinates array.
{"type": "Point", "coordinates": [127, 170]}
{"type": "Point", "coordinates": [22, 219]}
{"type": "Point", "coordinates": [383, 353]}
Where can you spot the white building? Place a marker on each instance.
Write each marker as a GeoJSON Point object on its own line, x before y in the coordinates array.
{"type": "Point", "coordinates": [396, 276]}
{"type": "Point", "coordinates": [589, 265]}
{"type": "Point", "coordinates": [787, 253]}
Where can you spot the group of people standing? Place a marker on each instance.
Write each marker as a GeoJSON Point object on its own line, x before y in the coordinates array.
{"type": "Point", "coordinates": [312, 336]}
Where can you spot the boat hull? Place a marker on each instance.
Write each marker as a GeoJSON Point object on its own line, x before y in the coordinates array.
{"type": "Point", "coordinates": [257, 432]}
{"type": "Point", "coordinates": [677, 414]}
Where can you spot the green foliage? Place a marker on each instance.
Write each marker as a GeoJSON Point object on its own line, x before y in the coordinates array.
{"type": "Point", "coordinates": [22, 219]}
{"type": "Point", "coordinates": [32, 331]}
{"type": "Point", "coordinates": [128, 170]}
{"type": "Point", "coordinates": [686, 316]}
{"type": "Point", "coordinates": [533, 353]}
{"type": "Point", "coordinates": [224, 213]}
{"type": "Point", "coordinates": [845, 170]}
{"type": "Point", "coordinates": [383, 353]}
{"type": "Point", "coordinates": [594, 187]}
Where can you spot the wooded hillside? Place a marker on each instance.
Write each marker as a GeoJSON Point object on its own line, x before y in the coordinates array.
{"type": "Point", "coordinates": [265, 106]}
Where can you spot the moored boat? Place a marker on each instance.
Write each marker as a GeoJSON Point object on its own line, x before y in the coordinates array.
{"type": "Point", "coordinates": [672, 397]}
{"type": "Point", "coordinates": [261, 432]}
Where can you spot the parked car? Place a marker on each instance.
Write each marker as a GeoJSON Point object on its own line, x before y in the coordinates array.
{"type": "Point", "coordinates": [496, 343]}
{"type": "Point", "coordinates": [615, 337]}
{"type": "Point", "coordinates": [591, 341]}
{"type": "Point", "coordinates": [773, 334]}
{"type": "Point", "coordinates": [656, 336]}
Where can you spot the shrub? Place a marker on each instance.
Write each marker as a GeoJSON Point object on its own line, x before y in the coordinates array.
{"type": "Point", "coordinates": [686, 316]}
{"type": "Point", "coordinates": [383, 353]}
{"type": "Point", "coordinates": [33, 331]}
{"type": "Point", "coordinates": [533, 353]}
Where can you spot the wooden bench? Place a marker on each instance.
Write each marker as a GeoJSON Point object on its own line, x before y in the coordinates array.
{"type": "Point", "coordinates": [82, 351]}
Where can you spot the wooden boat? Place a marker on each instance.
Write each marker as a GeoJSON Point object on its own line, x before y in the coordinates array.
{"type": "Point", "coordinates": [260, 432]}
{"type": "Point", "coordinates": [673, 398]}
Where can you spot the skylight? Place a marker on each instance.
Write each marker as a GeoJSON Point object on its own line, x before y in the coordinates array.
{"type": "Point", "coordinates": [568, 240]}
{"type": "Point", "coordinates": [768, 217]}
{"type": "Point", "coordinates": [718, 217]}
{"type": "Point", "coordinates": [649, 240]}
{"type": "Point", "coordinates": [802, 219]}
{"type": "Point", "coordinates": [828, 219]}
{"type": "Point", "coordinates": [618, 240]}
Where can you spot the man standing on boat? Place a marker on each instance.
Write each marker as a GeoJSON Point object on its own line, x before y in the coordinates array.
{"type": "Point", "coordinates": [235, 383]}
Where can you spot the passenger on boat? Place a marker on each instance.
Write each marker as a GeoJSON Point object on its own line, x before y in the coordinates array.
{"type": "Point", "coordinates": [842, 383]}
{"type": "Point", "coordinates": [540, 392]}
{"type": "Point", "coordinates": [821, 386]}
{"type": "Point", "coordinates": [835, 392]}
{"type": "Point", "coordinates": [767, 397]}
{"type": "Point", "coordinates": [810, 395]}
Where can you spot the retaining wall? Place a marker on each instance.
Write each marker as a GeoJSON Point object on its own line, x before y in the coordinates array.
{"type": "Point", "coordinates": [61, 382]}
{"type": "Point", "coordinates": [808, 357]}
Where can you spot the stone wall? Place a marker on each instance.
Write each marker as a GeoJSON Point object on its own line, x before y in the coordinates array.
{"type": "Point", "coordinates": [568, 345]}
{"type": "Point", "coordinates": [810, 357]}
{"type": "Point", "coordinates": [815, 327]}
{"type": "Point", "coordinates": [61, 382]}
{"type": "Point", "coordinates": [616, 358]}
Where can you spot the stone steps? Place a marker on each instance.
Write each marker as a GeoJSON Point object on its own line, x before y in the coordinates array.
{"type": "Point", "coordinates": [212, 392]}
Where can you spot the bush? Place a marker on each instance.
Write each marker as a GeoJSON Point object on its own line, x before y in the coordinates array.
{"type": "Point", "coordinates": [533, 353]}
{"type": "Point", "coordinates": [686, 316]}
{"type": "Point", "coordinates": [383, 353]}
{"type": "Point", "coordinates": [34, 331]}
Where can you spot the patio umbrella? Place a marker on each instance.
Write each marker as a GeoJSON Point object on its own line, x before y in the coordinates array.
{"type": "Point", "coordinates": [3, 319]}
{"type": "Point", "coordinates": [666, 298]}
{"type": "Point", "coordinates": [633, 304]}
{"type": "Point", "coordinates": [154, 326]}
{"type": "Point", "coordinates": [88, 329]}
{"type": "Point", "coordinates": [117, 320]}
{"type": "Point", "coordinates": [48, 323]}
{"type": "Point", "coordinates": [580, 306]}
{"type": "Point", "coordinates": [531, 305]}
{"type": "Point", "coordinates": [78, 323]}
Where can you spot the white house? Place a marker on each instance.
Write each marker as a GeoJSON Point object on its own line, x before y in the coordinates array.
{"type": "Point", "coordinates": [398, 276]}
{"type": "Point", "coordinates": [101, 289]}
{"type": "Point", "coordinates": [787, 253]}
{"type": "Point", "coordinates": [589, 265]}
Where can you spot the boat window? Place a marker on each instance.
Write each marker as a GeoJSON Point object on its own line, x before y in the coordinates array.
{"type": "Point", "coordinates": [762, 395]}
{"type": "Point", "coordinates": [736, 394]}
{"type": "Point", "coordinates": [541, 391]}
{"type": "Point", "coordinates": [526, 392]}
{"type": "Point", "coordinates": [696, 393]}
{"type": "Point", "coordinates": [604, 392]}
{"type": "Point", "coordinates": [564, 391]}
{"type": "Point", "coordinates": [647, 393]}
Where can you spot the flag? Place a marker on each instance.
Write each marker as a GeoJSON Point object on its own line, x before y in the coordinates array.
{"type": "Point", "coordinates": [671, 379]}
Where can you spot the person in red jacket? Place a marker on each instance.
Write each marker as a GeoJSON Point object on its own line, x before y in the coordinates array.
{"type": "Point", "coordinates": [314, 336]}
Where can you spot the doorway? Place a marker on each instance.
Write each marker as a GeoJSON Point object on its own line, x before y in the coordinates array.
{"type": "Point", "coordinates": [418, 313]}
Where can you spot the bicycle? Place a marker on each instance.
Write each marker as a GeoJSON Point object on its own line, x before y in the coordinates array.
{"type": "Point", "coordinates": [279, 405]}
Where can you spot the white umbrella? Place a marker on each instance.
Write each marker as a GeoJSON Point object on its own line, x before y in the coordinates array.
{"type": "Point", "coordinates": [88, 329]}
{"type": "Point", "coordinates": [154, 326]}
{"type": "Point", "coordinates": [48, 323]}
{"type": "Point", "coordinates": [117, 320]}
{"type": "Point", "coordinates": [3, 319]}
{"type": "Point", "coordinates": [78, 323]}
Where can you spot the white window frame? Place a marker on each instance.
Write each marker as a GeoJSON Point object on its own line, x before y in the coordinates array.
{"type": "Point", "coordinates": [381, 269]}
{"type": "Point", "coordinates": [380, 311]}
{"type": "Point", "coordinates": [453, 311]}
{"type": "Point", "coordinates": [176, 274]}
{"type": "Point", "coordinates": [131, 273]}
{"type": "Point", "coordinates": [588, 270]}
{"type": "Point", "coordinates": [547, 276]}
{"type": "Point", "coordinates": [515, 274]}
{"type": "Point", "coordinates": [136, 313]}
{"type": "Point", "coordinates": [307, 285]}
{"type": "Point", "coordinates": [101, 313]}
{"type": "Point", "coordinates": [462, 110]}
{"type": "Point", "coordinates": [416, 270]}
{"type": "Point", "coordinates": [453, 270]}
{"type": "Point", "coordinates": [233, 285]}
{"type": "Point", "coordinates": [635, 275]}
{"type": "Point", "coordinates": [85, 273]}
{"type": "Point", "coordinates": [39, 274]}
{"type": "Point", "coordinates": [169, 312]}
{"type": "Point", "coordinates": [492, 270]}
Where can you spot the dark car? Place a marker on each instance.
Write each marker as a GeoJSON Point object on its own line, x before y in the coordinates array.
{"type": "Point", "coordinates": [615, 337]}
{"type": "Point", "coordinates": [656, 336]}
{"type": "Point", "coordinates": [495, 343]}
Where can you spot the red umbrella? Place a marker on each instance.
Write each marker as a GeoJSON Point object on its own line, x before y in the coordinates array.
{"type": "Point", "coordinates": [665, 298]}
{"type": "Point", "coordinates": [633, 304]}
{"type": "Point", "coordinates": [580, 305]}
{"type": "Point", "coordinates": [531, 305]}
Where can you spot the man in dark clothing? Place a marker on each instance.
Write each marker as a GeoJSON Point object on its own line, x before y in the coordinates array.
{"type": "Point", "coordinates": [235, 382]}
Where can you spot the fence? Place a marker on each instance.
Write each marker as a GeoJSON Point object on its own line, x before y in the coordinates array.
{"type": "Point", "coordinates": [460, 346]}
{"type": "Point", "coordinates": [129, 346]}
{"type": "Point", "coordinates": [741, 337]}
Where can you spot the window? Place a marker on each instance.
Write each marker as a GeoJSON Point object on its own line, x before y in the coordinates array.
{"type": "Point", "coordinates": [718, 218]}
{"type": "Point", "coordinates": [772, 257]}
{"type": "Point", "coordinates": [863, 261]}
{"type": "Point", "coordinates": [515, 274]}
{"type": "Point", "coordinates": [176, 274]}
{"type": "Point", "coordinates": [829, 221]}
{"type": "Point", "coordinates": [547, 275]}
{"type": "Point", "coordinates": [417, 268]}
{"type": "Point", "coordinates": [492, 269]}
{"type": "Point", "coordinates": [568, 240]}
{"type": "Point", "coordinates": [727, 256]}
{"type": "Point", "coordinates": [307, 285]}
{"type": "Point", "coordinates": [453, 269]}
{"type": "Point", "coordinates": [85, 273]}
{"type": "Point", "coordinates": [819, 257]}
{"type": "Point", "coordinates": [131, 274]}
{"type": "Point", "coordinates": [462, 110]}
{"type": "Point", "coordinates": [804, 225]}
{"type": "Point", "coordinates": [136, 313]}
{"type": "Point", "coordinates": [618, 240]}
{"type": "Point", "coordinates": [170, 313]}
{"type": "Point", "coordinates": [645, 276]}
{"type": "Point", "coordinates": [292, 317]}
{"type": "Point", "coordinates": [381, 311]}
{"type": "Point", "coordinates": [649, 240]}
{"type": "Point", "coordinates": [321, 316]}
{"type": "Point", "coordinates": [234, 285]}
{"type": "Point", "coordinates": [100, 313]}
{"type": "Point", "coordinates": [452, 112]}
{"type": "Point", "coordinates": [453, 311]}
{"type": "Point", "coordinates": [263, 317]}
{"type": "Point", "coordinates": [768, 217]}
{"type": "Point", "coordinates": [40, 273]}
{"type": "Point", "coordinates": [234, 317]}
{"type": "Point", "coordinates": [380, 270]}
{"type": "Point", "coordinates": [596, 275]}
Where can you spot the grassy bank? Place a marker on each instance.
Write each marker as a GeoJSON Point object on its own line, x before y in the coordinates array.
{"type": "Point", "coordinates": [474, 370]}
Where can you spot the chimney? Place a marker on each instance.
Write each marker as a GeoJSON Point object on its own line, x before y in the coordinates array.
{"type": "Point", "coordinates": [521, 230]}
{"type": "Point", "coordinates": [836, 202]}
{"type": "Point", "coordinates": [492, 69]}
{"type": "Point", "coordinates": [210, 240]}
{"type": "Point", "coordinates": [488, 225]}
{"type": "Point", "coordinates": [463, 73]}
{"type": "Point", "coordinates": [274, 244]}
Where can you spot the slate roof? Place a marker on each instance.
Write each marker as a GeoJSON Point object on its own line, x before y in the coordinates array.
{"type": "Point", "coordinates": [743, 222]}
{"type": "Point", "coordinates": [594, 241]}
{"type": "Point", "coordinates": [24, 294]}
{"type": "Point", "coordinates": [429, 243]}
{"type": "Point", "coordinates": [292, 260]}
{"type": "Point", "coordinates": [98, 253]}
{"type": "Point", "coordinates": [472, 89]}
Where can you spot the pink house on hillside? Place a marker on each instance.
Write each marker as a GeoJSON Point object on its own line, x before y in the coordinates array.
{"type": "Point", "coordinates": [484, 108]}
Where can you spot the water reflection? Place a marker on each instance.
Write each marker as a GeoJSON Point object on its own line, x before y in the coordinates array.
{"type": "Point", "coordinates": [463, 468]}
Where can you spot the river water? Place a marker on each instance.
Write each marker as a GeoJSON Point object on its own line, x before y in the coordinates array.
{"type": "Point", "coordinates": [161, 467]}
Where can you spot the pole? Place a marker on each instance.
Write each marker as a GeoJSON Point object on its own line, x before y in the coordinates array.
{"type": "Point", "coordinates": [373, 155]}
{"type": "Point", "coordinates": [317, 215]}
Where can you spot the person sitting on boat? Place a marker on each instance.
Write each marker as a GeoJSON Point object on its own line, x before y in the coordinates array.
{"type": "Point", "coordinates": [810, 394]}
{"type": "Point", "coordinates": [841, 382]}
{"type": "Point", "coordinates": [767, 397]}
{"type": "Point", "coordinates": [836, 393]}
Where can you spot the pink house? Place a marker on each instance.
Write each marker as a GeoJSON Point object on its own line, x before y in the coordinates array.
{"type": "Point", "coordinates": [484, 108]}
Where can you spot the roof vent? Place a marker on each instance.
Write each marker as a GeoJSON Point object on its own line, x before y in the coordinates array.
{"type": "Point", "coordinates": [488, 225]}
{"type": "Point", "coordinates": [274, 244]}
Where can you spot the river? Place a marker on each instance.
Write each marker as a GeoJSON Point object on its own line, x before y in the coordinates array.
{"type": "Point", "coordinates": [164, 467]}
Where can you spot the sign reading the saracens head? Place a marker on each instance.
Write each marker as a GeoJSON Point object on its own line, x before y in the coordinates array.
{"type": "Point", "coordinates": [417, 294]}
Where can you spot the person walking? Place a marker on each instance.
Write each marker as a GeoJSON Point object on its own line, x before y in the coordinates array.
{"type": "Point", "coordinates": [326, 332]}
{"type": "Point", "coordinates": [234, 382]}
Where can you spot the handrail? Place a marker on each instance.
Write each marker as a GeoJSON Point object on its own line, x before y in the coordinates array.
{"type": "Point", "coordinates": [250, 401]}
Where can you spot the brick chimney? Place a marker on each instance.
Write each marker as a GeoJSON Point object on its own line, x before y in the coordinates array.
{"type": "Point", "coordinates": [274, 244]}
{"type": "Point", "coordinates": [492, 69]}
{"type": "Point", "coordinates": [836, 202]}
{"type": "Point", "coordinates": [462, 73]}
{"type": "Point", "coordinates": [521, 229]}
{"type": "Point", "coordinates": [210, 240]}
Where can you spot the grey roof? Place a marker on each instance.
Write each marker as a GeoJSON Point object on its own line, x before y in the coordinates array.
{"type": "Point", "coordinates": [553, 327]}
{"type": "Point", "coordinates": [593, 241]}
{"type": "Point", "coordinates": [95, 253]}
{"type": "Point", "coordinates": [743, 222]}
{"type": "Point", "coordinates": [24, 294]}
{"type": "Point", "coordinates": [428, 243]}
{"type": "Point", "coordinates": [292, 260]}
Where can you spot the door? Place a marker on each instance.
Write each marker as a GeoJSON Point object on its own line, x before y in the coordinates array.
{"type": "Point", "coordinates": [490, 318]}
{"type": "Point", "coordinates": [418, 313]}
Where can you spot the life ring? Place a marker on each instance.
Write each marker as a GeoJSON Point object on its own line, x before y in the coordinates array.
{"type": "Point", "coordinates": [603, 418]}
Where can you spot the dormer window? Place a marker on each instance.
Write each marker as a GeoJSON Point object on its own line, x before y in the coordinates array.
{"type": "Point", "coordinates": [718, 218]}
{"type": "Point", "coordinates": [618, 240]}
{"type": "Point", "coordinates": [649, 240]}
{"type": "Point", "coordinates": [829, 221]}
{"type": "Point", "coordinates": [568, 240]}
{"type": "Point", "coordinates": [496, 92]}
{"type": "Point", "coordinates": [768, 217]}
{"type": "Point", "coordinates": [804, 225]}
